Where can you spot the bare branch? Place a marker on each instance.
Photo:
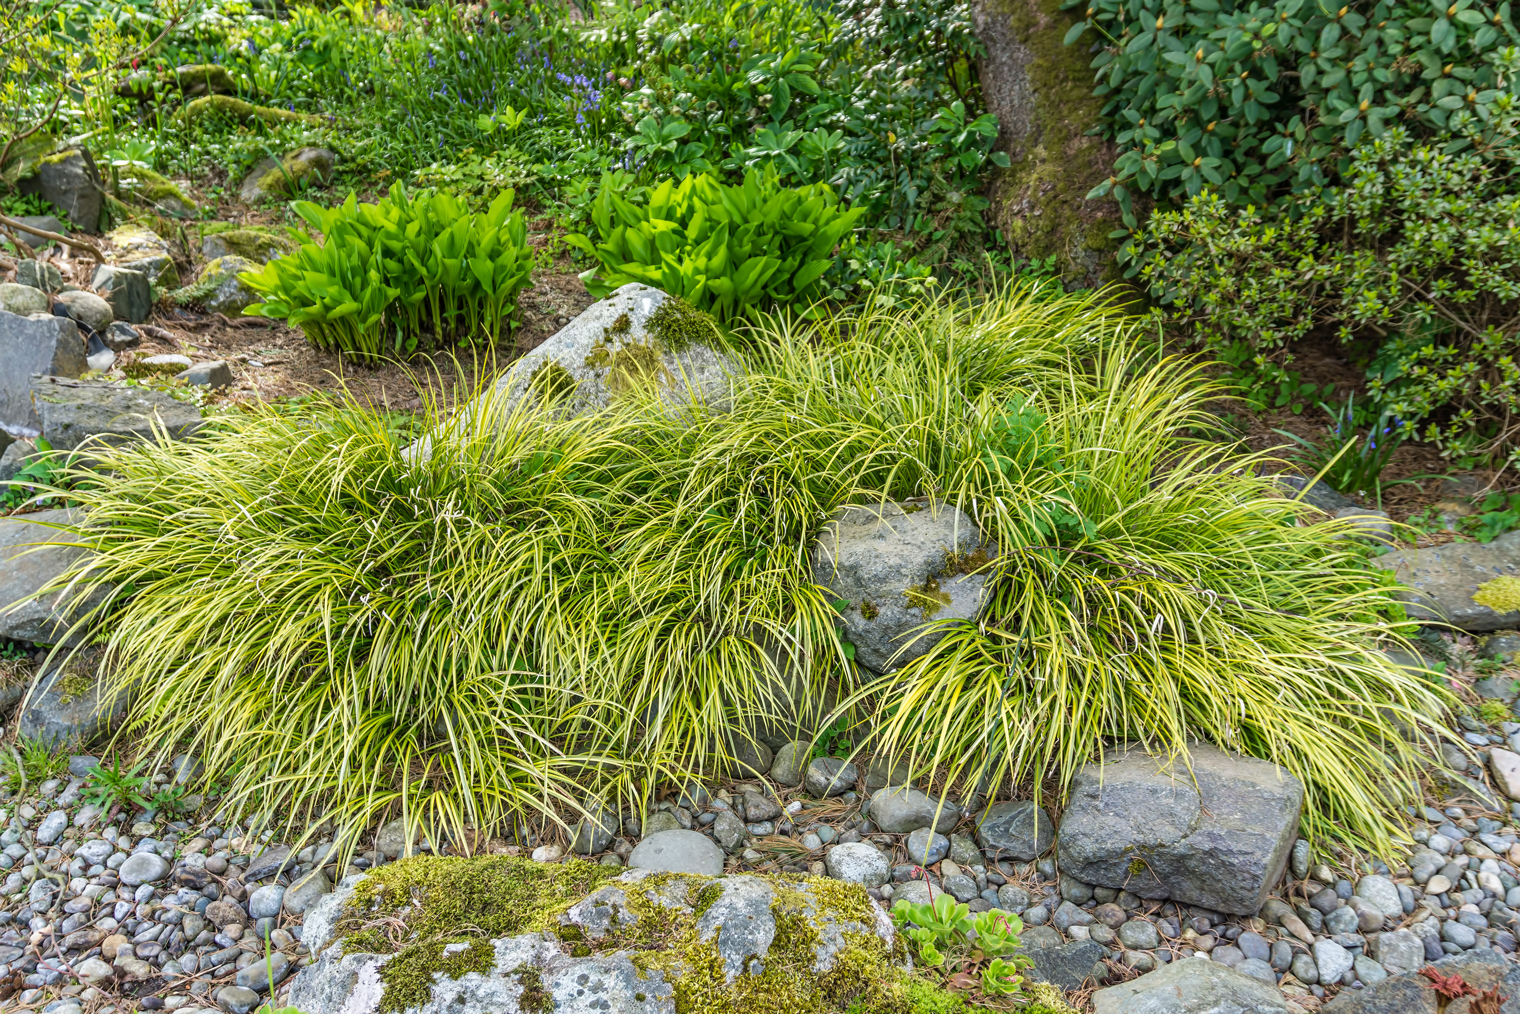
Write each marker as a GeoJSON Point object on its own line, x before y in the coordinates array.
{"type": "Point", "coordinates": [78, 244]}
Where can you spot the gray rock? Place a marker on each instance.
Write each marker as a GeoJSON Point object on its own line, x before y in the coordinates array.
{"type": "Point", "coordinates": [1017, 830]}
{"type": "Point", "coordinates": [70, 181]}
{"type": "Point", "coordinates": [121, 337]}
{"type": "Point", "coordinates": [231, 295]}
{"type": "Point", "coordinates": [1075, 891]}
{"type": "Point", "coordinates": [1454, 932]}
{"type": "Point", "coordinates": [1191, 986]}
{"type": "Point", "coordinates": [1341, 920]}
{"type": "Point", "coordinates": [306, 892]}
{"type": "Point", "coordinates": [23, 300]}
{"type": "Point", "coordinates": [1374, 526]}
{"type": "Point", "coordinates": [1503, 647]}
{"type": "Point", "coordinates": [1139, 935]}
{"type": "Point", "coordinates": [128, 292]}
{"type": "Point", "coordinates": [272, 179]}
{"type": "Point", "coordinates": [901, 809]}
{"type": "Point", "coordinates": [751, 758]}
{"type": "Point", "coordinates": [883, 772]}
{"type": "Point", "coordinates": [143, 868]}
{"type": "Point", "coordinates": [729, 831]}
{"type": "Point", "coordinates": [72, 412]}
{"type": "Point", "coordinates": [47, 223]}
{"type": "Point", "coordinates": [1068, 965]}
{"type": "Point", "coordinates": [265, 902]}
{"type": "Point", "coordinates": [858, 863]}
{"type": "Point", "coordinates": [918, 892]}
{"type": "Point", "coordinates": [70, 705]}
{"type": "Point", "coordinates": [830, 776]}
{"type": "Point", "coordinates": [1411, 993]}
{"type": "Point", "coordinates": [259, 975]}
{"type": "Point", "coordinates": [1443, 579]}
{"type": "Point", "coordinates": [1398, 951]}
{"type": "Point", "coordinates": [267, 863]}
{"type": "Point", "coordinates": [1382, 894]}
{"type": "Point", "coordinates": [87, 308]}
{"type": "Point", "coordinates": [16, 456]}
{"type": "Point", "coordinates": [236, 999]}
{"type": "Point", "coordinates": [1304, 969]}
{"type": "Point", "coordinates": [791, 761]}
{"type": "Point", "coordinates": [1299, 860]}
{"type": "Point", "coordinates": [30, 345]}
{"type": "Point", "coordinates": [1332, 960]}
{"type": "Point", "coordinates": [1013, 898]}
{"type": "Point", "coordinates": [926, 847]}
{"type": "Point", "coordinates": [392, 839]}
{"type": "Point", "coordinates": [758, 807]}
{"type": "Point", "coordinates": [595, 832]}
{"type": "Point", "coordinates": [53, 825]}
{"type": "Point", "coordinates": [677, 852]}
{"type": "Point", "coordinates": [1368, 971]}
{"type": "Point", "coordinates": [213, 374]}
{"type": "Point", "coordinates": [1221, 844]}
{"type": "Point", "coordinates": [1320, 495]}
{"type": "Point", "coordinates": [1069, 915]}
{"type": "Point", "coordinates": [660, 820]}
{"type": "Point", "coordinates": [608, 352]}
{"type": "Point", "coordinates": [1257, 969]}
{"type": "Point", "coordinates": [961, 887]}
{"type": "Point", "coordinates": [964, 851]}
{"type": "Point", "coordinates": [900, 567]}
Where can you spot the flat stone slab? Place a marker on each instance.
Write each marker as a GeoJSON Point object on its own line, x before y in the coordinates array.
{"type": "Point", "coordinates": [39, 343]}
{"type": "Point", "coordinates": [34, 551]}
{"type": "Point", "coordinates": [1139, 823]}
{"type": "Point", "coordinates": [1191, 986]}
{"type": "Point", "coordinates": [71, 412]}
{"type": "Point", "coordinates": [1443, 579]}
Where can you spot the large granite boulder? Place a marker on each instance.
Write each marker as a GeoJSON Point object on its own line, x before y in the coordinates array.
{"type": "Point", "coordinates": [35, 549]}
{"type": "Point", "coordinates": [1443, 580]}
{"type": "Point", "coordinates": [40, 343]}
{"type": "Point", "coordinates": [899, 567]}
{"type": "Point", "coordinates": [70, 703]}
{"type": "Point", "coordinates": [69, 180]}
{"type": "Point", "coordinates": [626, 942]}
{"type": "Point", "coordinates": [1218, 836]}
{"type": "Point", "coordinates": [1412, 993]}
{"type": "Point", "coordinates": [638, 340]}
{"type": "Point", "coordinates": [72, 412]}
{"type": "Point", "coordinates": [1191, 986]}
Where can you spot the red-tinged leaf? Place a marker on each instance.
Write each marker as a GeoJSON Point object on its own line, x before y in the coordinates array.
{"type": "Point", "coordinates": [1450, 986]}
{"type": "Point", "coordinates": [962, 981]}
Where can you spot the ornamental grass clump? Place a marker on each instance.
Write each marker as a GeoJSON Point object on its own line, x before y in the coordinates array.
{"type": "Point", "coordinates": [408, 272]}
{"type": "Point", "coordinates": [545, 609]}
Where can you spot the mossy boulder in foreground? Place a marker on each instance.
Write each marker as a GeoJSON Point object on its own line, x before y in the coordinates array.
{"type": "Point", "coordinates": [506, 934]}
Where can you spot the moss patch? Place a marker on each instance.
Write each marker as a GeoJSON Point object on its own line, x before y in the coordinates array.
{"type": "Point", "coordinates": [254, 244]}
{"type": "Point", "coordinates": [150, 187]}
{"type": "Point", "coordinates": [1041, 199]}
{"type": "Point", "coordinates": [1502, 594]}
{"type": "Point", "coordinates": [928, 597]}
{"type": "Point", "coordinates": [227, 107]}
{"type": "Point", "coordinates": [441, 901]}
{"type": "Point", "coordinates": [677, 325]}
{"type": "Point", "coordinates": [73, 687]}
{"type": "Point", "coordinates": [551, 383]}
{"type": "Point", "coordinates": [202, 79]}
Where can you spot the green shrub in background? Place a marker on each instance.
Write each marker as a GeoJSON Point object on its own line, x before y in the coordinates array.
{"type": "Point", "coordinates": [406, 272]}
{"type": "Point", "coordinates": [1264, 100]}
{"type": "Point", "coordinates": [729, 250]}
{"type": "Point", "coordinates": [1414, 263]}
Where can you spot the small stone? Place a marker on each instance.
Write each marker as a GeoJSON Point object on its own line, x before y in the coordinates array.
{"type": "Point", "coordinates": [902, 809]}
{"type": "Point", "coordinates": [1332, 960]}
{"type": "Point", "coordinates": [962, 887]}
{"type": "Point", "coordinates": [1368, 971]}
{"type": "Point", "coordinates": [1254, 945]}
{"type": "Point", "coordinates": [1505, 766]}
{"type": "Point", "coordinates": [86, 308]}
{"type": "Point", "coordinates": [791, 760]}
{"type": "Point", "coordinates": [1454, 932]}
{"type": "Point", "coordinates": [678, 851]}
{"type": "Point", "coordinates": [1382, 893]}
{"type": "Point", "coordinates": [729, 831]}
{"type": "Point", "coordinates": [1139, 935]}
{"type": "Point", "coordinates": [1304, 969]}
{"type": "Point", "coordinates": [1110, 915]}
{"type": "Point", "coordinates": [265, 902]}
{"type": "Point", "coordinates": [1012, 898]}
{"type": "Point", "coordinates": [22, 300]}
{"type": "Point", "coordinates": [236, 999]}
{"type": "Point", "coordinates": [926, 847]}
{"type": "Point", "coordinates": [92, 971]}
{"type": "Point", "coordinates": [53, 825]}
{"type": "Point", "coordinates": [1069, 915]}
{"type": "Point", "coordinates": [257, 975]}
{"type": "Point", "coordinates": [594, 833]}
{"type": "Point", "coordinates": [830, 776]}
{"type": "Point", "coordinates": [1075, 891]}
{"type": "Point", "coordinates": [127, 291]}
{"type": "Point", "coordinates": [1017, 830]}
{"type": "Point", "coordinates": [1039, 915]}
{"type": "Point", "coordinates": [143, 868]}
{"type": "Point", "coordinates": [1300, 859]}
{"type": "Point", "coordinates": [858, 863]}
{"type": "Point", "coordinates": [1437, 885]}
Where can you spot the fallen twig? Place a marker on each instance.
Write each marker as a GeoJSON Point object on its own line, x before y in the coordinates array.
{"type": "Point", "coordinates": [78, 244]}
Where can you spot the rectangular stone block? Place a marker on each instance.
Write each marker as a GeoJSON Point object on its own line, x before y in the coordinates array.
{"type": "Point", "coordinates": [73, 412]}
{"type": "Point", "coordinates": [1218, 835]}
{"type": "Point", "coordinates": [40, 343]}
{"type": "Point", "coordinates": [126, 290]}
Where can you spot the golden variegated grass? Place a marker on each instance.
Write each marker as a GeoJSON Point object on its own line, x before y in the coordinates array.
{"type": "Point", "coordinates": [545, 608]}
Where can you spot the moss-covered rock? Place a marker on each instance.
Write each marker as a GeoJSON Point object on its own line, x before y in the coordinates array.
{"type": "Point", "coordinates": [146, 188]}
{"type": "Point", "coordinates": [137, 247]}
{"type": "Point", "coordinates": [1042, 93]}
{"type": "Point", "coordinates": [218, 288]}
{"type": "Point", "coordinates": [505, 934]}
{"type": "Point", "coordinates": [227, 107]}
{"type": "Point", "coordinates": [254, 243]}
{"type": "Point", "coordinates": [202, 79]}
{"type": "Point", "coordinates": [294, 171]}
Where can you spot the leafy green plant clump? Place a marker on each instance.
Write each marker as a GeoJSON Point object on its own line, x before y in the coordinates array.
{"type": "Point", "coordinates": [980, 952]}
{"type": "Point", "coordinates": [409, 271]}
{"type": "Point", "coordinates": [546, 607]}
{"type": "Point", "coordinates": [730, 250]}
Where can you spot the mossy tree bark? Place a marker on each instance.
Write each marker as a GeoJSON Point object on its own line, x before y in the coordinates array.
{"type": "Point", "coordinates": [1042, 93]}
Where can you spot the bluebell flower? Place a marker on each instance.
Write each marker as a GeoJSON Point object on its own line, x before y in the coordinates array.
{"type": "Point", "coordinates": [432, 61]}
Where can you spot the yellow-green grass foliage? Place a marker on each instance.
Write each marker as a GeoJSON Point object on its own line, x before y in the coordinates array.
{"type": "Point", "coordinates": [545, 605]}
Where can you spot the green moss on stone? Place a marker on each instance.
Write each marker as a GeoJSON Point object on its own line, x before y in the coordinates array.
{"type": "Point", "coordinates": [677, 325]}
{"type": "Point", "coordinates": [442, 901]}
{"type": "Point", "coordinates": [254, 244]}
{"type": "Point", "coordinates": [928, 597]}
{"type": "Point", "coordinates": [551, 383]}
{"type": "Point", "coordinates": [155, 188]}
{"type": "Point", "coordinates": [230, 108]}
{"type": "Point", "coordinates": [1041, 199]}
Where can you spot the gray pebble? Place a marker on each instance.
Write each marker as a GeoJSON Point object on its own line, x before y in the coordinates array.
{"type": "Point", "coordinates": [927, 847]}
